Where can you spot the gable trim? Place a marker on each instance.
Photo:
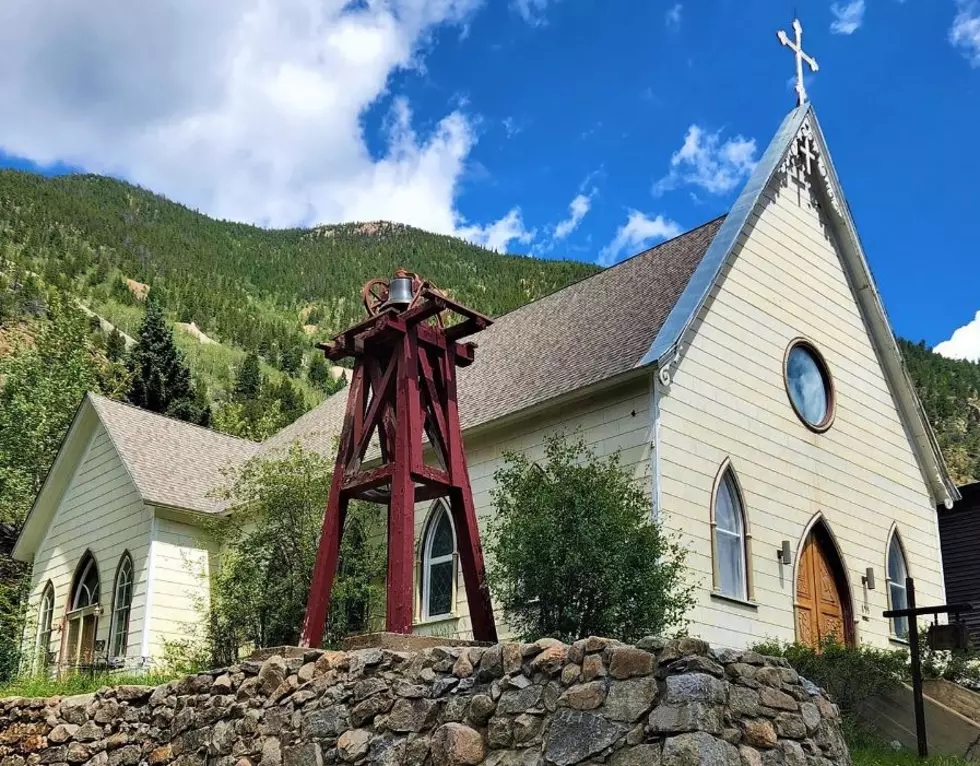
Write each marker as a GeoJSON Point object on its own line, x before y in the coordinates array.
{"type": "Point", "coordinates": [666, 348]}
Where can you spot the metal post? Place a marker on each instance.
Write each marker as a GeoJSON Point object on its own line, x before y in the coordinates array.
{"type": "Point", "coordinates": [920, 720]}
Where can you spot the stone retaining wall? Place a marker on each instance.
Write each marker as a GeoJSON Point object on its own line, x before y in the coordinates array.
{"type": "Point", "coordinates": [673, 703]}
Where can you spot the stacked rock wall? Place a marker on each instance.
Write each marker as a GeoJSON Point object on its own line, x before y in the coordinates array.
{"type": "Point", "coordinates": [673, 703]}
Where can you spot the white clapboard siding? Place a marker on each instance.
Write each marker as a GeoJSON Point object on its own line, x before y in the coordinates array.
{"type": "Point", "coordinates": [181, 584]}
{"type": "Point", "coordinates": [101, 512]}
{"type": "Point", "coordinates": [728, 401]}
{"type": "Point", "coordinates": [614, 420]}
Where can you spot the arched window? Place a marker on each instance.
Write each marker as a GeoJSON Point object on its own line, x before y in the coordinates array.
{"type": "Point", "coordinates": [122, 601]}
{"type": "Point", "coordinates": [898, 597]}
{"type": "Point", "coordinates": [438, 565]}
{"type": "Point", "coordinates": [45, 615]}
{"type": "Point", "coordinates": [83, 614]}
{"type": "Point", "coordinates": [86, 586]}
{"type": "Point", "coordinates": [729, 539]}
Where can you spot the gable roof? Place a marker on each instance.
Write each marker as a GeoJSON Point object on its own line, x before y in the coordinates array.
{"type": "Point", "coordinates": [667, 343]}
{"type": "Point", "coordinates": [171, 462]}
{"type": "Point", "coordinates": [585, 333]}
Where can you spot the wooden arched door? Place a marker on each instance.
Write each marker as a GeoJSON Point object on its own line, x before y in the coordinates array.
{"type": "Point", "coordinates": [823, 607]}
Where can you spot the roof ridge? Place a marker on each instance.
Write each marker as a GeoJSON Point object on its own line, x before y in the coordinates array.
{"type": "Point", "coordinates": [150, 413]}
{"type": "Point", "coordinates": [607, 269]}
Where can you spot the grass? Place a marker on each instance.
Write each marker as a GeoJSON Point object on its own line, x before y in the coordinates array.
{"type": "Point", "coordinates": [77, 683]}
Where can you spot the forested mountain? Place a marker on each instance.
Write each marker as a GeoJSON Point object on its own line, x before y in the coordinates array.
{"type": "Point", "coordinates": [950, 392]}
{"type": "Point", "coordinates": [274, 292]}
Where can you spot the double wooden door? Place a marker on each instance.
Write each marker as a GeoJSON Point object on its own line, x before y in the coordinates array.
{"type": "Point", "coordinates": [820, 610]}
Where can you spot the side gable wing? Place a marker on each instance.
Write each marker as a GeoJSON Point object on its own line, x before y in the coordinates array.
{"type": "Point", "coordinates": [800, 138]}
{"type": "Point", "coordinates": [67, 463]}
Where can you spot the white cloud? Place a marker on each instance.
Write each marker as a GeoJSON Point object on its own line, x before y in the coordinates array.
{"type": "Point", "coordinates": [246, 109]}
{"type": "Point", "coordinates": [964, 342]}
{"type": "Point", "coordinates": [706, 162]}
{"type": "Point", "coordinates": [532, 11]}
{"type": "Point", "coordinates": [965, 32]}
{"type": "Point", "coordinates": [848, 17]}
{"type": "Point", "coordinates": [577, 210]}
{"type": "Point", "coordinates": [512, 127]}
{"type": "Point", "coordinates": [497, 236]}
{"type": "Point", "coordinates": [673, 16]}
{"type": "Point", "coordinates": [639, 232]}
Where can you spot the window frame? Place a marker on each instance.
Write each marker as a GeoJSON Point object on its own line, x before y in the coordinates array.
{"type": "Point", "coordinates": [42, 638]}
{"type": "Point", "coordinates": [87, 564]}
{"type": "Point", "coordinates": [828, 379]}
{"type": "Point", "coordinates": [895, 541]}
{"type": "Point", "coordinates": [727, 477]}
{"type": "Point", "coordinates": [126, 560]}
{"type": "Point", "coordinates": [426, 562]}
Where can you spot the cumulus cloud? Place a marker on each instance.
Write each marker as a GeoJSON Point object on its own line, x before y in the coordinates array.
{"type": "Point", "coordinates": [497, 236]}
{"type": "Point", "coordinates": [964, 342]}
{"type": "Point", "coordinates": [965, 32]}
{"type": "Point", "coordinates": [707, 162]}
{"type": "Point", "coordinates": [246, 109]}
{"type": "Point", "coordinates": [848, 17]}
{"type": "Point", "coordinates": [638, 233]}
{"type": "Point", "coordinates": [673, 16]}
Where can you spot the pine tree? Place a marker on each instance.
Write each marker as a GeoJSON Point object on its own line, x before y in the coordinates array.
{"type": "Point", "coordinates": [161, 381]}
{"type": "Point", "coordinates": [115, 346]}
{"type": "Point", "coordinates": [290, 401]}
{"type": "Point", "coordinates": [318, 373]}
{"type": "Point", "coordinates": [248, 383]}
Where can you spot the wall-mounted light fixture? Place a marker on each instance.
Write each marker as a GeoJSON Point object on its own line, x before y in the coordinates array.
{"type": "Point", "coordinates": [869, 578]}
{"type": "Point", "coordinates": [784, 554]}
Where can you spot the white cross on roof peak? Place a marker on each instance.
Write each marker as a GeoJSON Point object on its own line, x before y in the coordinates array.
{"type": "Point", "coordinates": [797, 47]}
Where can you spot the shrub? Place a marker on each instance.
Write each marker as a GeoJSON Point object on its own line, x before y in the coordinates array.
{"type": "Point", "coordinates": [851, 674]}
{"type": "Point", "coordinates": [572, 551]}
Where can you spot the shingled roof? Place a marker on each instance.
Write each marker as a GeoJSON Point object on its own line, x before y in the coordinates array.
{"type": "Point", "coordinates": [171, 462]}
{"type": "Point", "coordinates": [580, 335]}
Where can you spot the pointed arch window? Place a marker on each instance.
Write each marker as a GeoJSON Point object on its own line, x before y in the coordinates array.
{"type": "Point", "coordinates": [729, 539]}
{"type": "Point", "coordinates": [83, 613]}
{"type": "Point", "coordinates": [122, 602]}
{"type": "Point", "coordinates": [438, 565]}
{"type": "Point", "coordinates": [45, 617]}
{"type": "Point", "coordinates": [898, 597]}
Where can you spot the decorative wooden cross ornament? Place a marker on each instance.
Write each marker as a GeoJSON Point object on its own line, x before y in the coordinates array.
{"type": "Point", "coordinates": [403, 388]}
{"type": "Point", "coordinates": [797, 48]}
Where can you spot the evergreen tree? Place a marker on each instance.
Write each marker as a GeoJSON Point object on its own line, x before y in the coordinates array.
{"type": "Point", "coordinates": [318, 373]}
{"type": "Point", "coordinates": [248, 383]}
{"type": "Point", "coordinates": [115, 346]}
{"type": "Point", "coordinates": [290, 401]}
{"type": "Point", "coordinates": [161, 381]}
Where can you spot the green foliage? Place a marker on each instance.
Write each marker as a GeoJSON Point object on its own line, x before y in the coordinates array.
{"type": "Point", "coordinates": [161, 381]}
{"type": "Point", "coordinates": [115, 345]}
{"type": "Point", "coordinates": [961, 666]}
{"type": "Point", "coordinates": [248, 383]}
{"type": "Point", "coordinates": [573, 552]}
{"type": "Point", "coordinates": [77, 683]}
{"type": "Point", "coordinates": [851, 674]}
{"type": "Point", "coordinates": [261, 583]}
{"type": "Point", "coordinates": [950, 392]}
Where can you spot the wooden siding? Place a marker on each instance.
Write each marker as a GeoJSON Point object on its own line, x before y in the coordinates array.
{"type": "Point", "coordinates": [181, 585]}
{"type": "Point", "coordinates": [728, 400]}
{"type": "Point", "coordinates": [613, 420]}
{"type": "Point", "coordinates": [959, 530]}
{"type": "Point", "coordinates": [102, 512]}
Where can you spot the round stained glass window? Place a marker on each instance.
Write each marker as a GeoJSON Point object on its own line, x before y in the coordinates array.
{"type": "Point", "coordinates": [809, 387]}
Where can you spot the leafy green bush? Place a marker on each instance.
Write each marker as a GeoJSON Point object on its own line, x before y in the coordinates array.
{"type": "Point", "coordinates": [268, 547]}
{"type": "Point", "coordinates": [78, 683]}
{"type": "Point", "coordinates": [851, 674]}
{"type": "Point", "coordinates": [960, 666]}
{"type": "Point", "coordinates": [573, 552]}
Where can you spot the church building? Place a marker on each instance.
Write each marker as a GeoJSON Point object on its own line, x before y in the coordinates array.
{"type": "Point", "coordinates": [745, 372]}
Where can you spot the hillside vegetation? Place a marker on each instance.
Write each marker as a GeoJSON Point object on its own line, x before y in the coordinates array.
{"type": "Point", "coordinates": [275, 292]}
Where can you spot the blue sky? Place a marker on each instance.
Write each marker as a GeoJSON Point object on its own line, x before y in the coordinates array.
{"type": "Point", "coordinates": [542, 126]}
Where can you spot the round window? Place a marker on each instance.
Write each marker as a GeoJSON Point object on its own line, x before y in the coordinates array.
{"type": "Point", "coordinates": [809, 386]}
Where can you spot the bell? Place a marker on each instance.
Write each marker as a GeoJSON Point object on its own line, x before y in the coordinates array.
{"type": "Point", "coordinates": [400, 292]}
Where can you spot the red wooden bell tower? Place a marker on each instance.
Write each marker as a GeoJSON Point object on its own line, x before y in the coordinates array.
{"type": "Point", "coordinates": [403, 387]}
